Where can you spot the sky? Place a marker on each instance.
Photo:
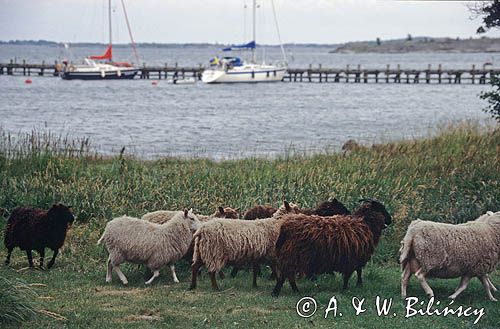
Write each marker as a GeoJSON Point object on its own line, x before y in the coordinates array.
{"type": "Point", "coordinates": [227, 21]}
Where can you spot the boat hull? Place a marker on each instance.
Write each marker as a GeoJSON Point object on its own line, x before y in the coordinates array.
{"type": "Point", "coordinates": [243, 76]}
{"type": "Point", "coordinates": [100, 75]}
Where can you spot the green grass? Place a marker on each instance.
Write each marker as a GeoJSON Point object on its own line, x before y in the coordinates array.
{"type": "Point", "coordinates": [17, 301]}
{"type": "Point", "coordinates": [453, 177]}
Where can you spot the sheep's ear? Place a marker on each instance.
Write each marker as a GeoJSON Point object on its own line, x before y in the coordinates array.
{"type": "Point", "coordinates": [221, 211]}
{"type": "Point", "coordinates": [186, 211]}
{"type": "Point", "coordinates": [287, 205]}
{"type": "Point", "coordinates": [54, 205]}
{"type": "Point", "coordinates": [237, 210]}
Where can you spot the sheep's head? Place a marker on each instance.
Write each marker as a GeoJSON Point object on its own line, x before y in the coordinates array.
{"type": "Point", "coordinates": [193, 221]}
{"type": "Point", "coordinates": [228, 212]}
{"type": "Point", "coordinates": [376, 209]}
{"type": "Point", "coordinates": [331, 208]}
{"type": "Point", "coordinates": [61, 213]}
{"type": "Point", "coordinates": [490, 217]}
{"type": "Point", "coordinates": [286, 208]}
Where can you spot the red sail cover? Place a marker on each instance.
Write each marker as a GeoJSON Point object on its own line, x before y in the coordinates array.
{"type": "Point", "coordinates": [107, 55]}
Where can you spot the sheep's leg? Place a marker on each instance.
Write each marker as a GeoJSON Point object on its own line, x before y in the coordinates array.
{"type": "Point", "coordinates": [9, 253]}
{"type": "Point", "coordinates": [156, 273]}
{"type": "Point", "coordinates": [109, 273]}
{"type": "Point", "coordinates": [464, 282]}
{"type": "Point", "coordinates": [491, 283]}
{"type": "Point", "coordinates": [486, 285]}
{"type": "Point", "coordinates": [312, 277]}
{"type": "Point", "coordinates": [359, 283]}
{"type": "Point", "coordinates": [234, 271]}
{"type": "Point", "coordinates": [273, 275]}
{"type": "Point", "coordinates": [174, 275]}
{"type": "Point", "coordinates": [195, 269]}
{"type": "Point", "coordinates": [42, 256]}
{"type": "Point", "coordinates": [256, 270]}
{"type": "Point", "coordinates": [222, 276]}
{"type": "Point", "coordinates": [405, 279]}
{"type": "Point", "coordinates": [293, 285]}
{"type": "Point", "coordinates": [279, 284]}
{"type": "Point", "coordinates": [214, 281]}
{"type": "Point", "coordinates": [122, 277]}
{"type": "Point", "coordinates": [346, 280]}
{"type": "Point", "coordinates": [30, 257]}
{"type": "Point", "coordinates": [421, 278]}
{"type": "Point", "coordinates": [53, 260]}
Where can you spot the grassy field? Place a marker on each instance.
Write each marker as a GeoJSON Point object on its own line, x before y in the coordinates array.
{"type": "Point", "coordinates": [453, 177]}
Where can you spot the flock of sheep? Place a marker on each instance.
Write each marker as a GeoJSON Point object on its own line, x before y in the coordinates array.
{"type": "Point", "coordinates": [293, 241]}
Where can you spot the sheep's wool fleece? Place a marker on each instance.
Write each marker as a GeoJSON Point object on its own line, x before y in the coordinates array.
{"type": "Point", "coordinates": [138, 241]}
{"type": "Point", "coordinates": [447, 250]}
{"type": "Point", "coordinates": [160, 216]}
{"type": "Point", "coordinates": [220, 242]}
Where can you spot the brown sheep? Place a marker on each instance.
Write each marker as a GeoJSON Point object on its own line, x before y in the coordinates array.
{"type": "Point", "coordinates": [315, 245]}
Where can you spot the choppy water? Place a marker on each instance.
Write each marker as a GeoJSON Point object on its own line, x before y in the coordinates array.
{"type": "Point", "coordinates": [221, 121]}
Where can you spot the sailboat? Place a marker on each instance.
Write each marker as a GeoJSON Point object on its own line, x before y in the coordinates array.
{"type": "Point", "coordinates": [233, 70]}
{"type": "Point", "coordinates": [102, 67]}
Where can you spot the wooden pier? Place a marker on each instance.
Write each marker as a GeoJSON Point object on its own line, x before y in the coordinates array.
{"type": "Point", "coordinates": [316, 74]}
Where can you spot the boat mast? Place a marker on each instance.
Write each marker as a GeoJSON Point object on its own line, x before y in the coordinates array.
{"type": "Point", "coordinates": [130, 35]}
{"type": "Point", "coordinates": [254, 10]}
{"type": "Point", "coordinates": [110, 32]}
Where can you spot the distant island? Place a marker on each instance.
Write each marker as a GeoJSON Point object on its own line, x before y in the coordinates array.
{"type": "Point", "coordinates": [394, 46]}
{"type": "Point", "coordinates": [421, 45]}
{"type": "Point", "coordinates": [146, 44]}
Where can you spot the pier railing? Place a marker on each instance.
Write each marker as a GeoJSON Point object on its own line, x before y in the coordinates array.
{"type": "Point", "coordinates": [318, 74]}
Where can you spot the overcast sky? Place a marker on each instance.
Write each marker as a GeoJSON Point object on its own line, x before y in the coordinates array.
{"type": "Point", "coordinates": [300, 21]}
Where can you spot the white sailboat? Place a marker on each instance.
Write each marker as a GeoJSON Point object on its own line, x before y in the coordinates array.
{"type": "Point", "coordinates": [94, 69]}
{"type": "Point", "coordinates": [233, 70]}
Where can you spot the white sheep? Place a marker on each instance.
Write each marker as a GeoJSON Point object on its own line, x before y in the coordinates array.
{"type": "Point", "coordinates": [163, 216]}
{"type": "Point", "coordinates": [237, 242]}
{"type": "Point", "coordinates": [141, 242]}
{"type": "Point", "coordinates": [440, 250]}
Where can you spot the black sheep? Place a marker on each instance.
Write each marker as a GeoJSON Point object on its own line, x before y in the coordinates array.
{"type": "Point", "coordinates": [37, 229]}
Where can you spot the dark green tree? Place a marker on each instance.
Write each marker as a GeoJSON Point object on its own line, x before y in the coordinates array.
{"type": "Point", "coordinates": [489, 11]}
{"type": "Point", "coordinates": [493, 98]}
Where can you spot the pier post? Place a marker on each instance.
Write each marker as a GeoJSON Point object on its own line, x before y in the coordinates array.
{"type": "Point", "coordinates": [387, 73]}
{"type": "Point", "coordinates": [439, 73]}
{"type": "Point", "coordinates": [42, 69]}
{"type": "Point", "coordinates": [320, 74]}
{"type": "Point", "coordinates": [357, 78]}
{"type": "Point", "coordinates": [428, 74]}
{"type": "Point", "coordinates": [347, 73]}
{"type": "Point", "coordinates": [473, 74]}
{"type": "Point", "coordinates": [24, 67]}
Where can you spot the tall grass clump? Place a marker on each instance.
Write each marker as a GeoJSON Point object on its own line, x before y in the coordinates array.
{"type": "Point", "coordinates": [17, 301]}
{"type": "Point", "coordinates": [452, 177]}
